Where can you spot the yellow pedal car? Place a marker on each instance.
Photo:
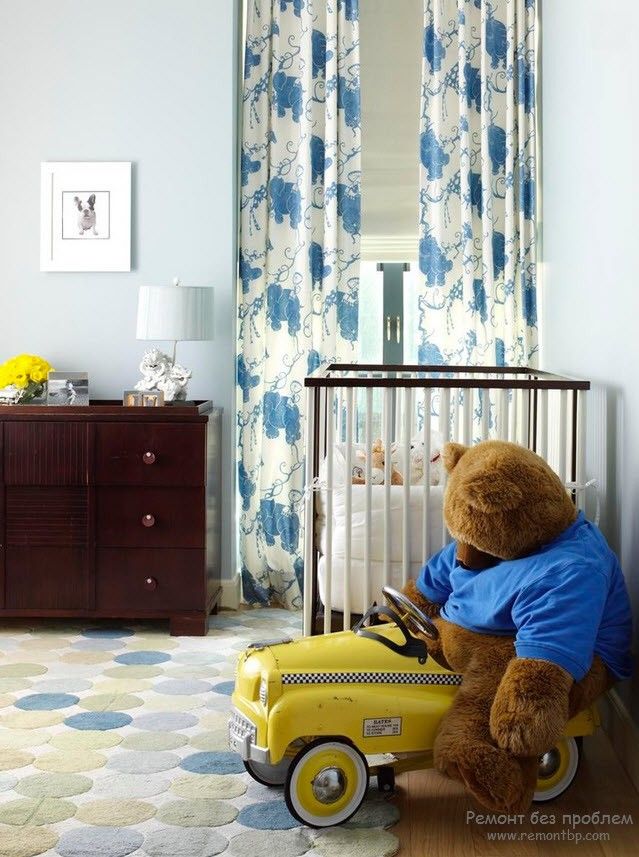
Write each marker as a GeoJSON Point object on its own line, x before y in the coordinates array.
{"type": "Point", "coordinates": [320, 715]}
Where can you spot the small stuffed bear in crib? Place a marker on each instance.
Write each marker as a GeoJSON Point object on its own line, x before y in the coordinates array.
{"type": "Point", "coordinates": [416, 464]}
{"type": "Point", "coordinates": [378, 461]}
{"type": "Point", "coordinates": [532, 610]}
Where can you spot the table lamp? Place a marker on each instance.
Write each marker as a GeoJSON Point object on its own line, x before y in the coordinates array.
{"type": "Point", "coordinates": [171, 313]}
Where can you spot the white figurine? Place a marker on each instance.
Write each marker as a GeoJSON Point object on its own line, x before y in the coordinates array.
{"type": "Point", "coordinates": [160, 373]}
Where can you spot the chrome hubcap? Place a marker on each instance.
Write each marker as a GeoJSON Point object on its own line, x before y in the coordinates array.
{"type": "Point", "coordinates": [549, 763]}
{"type": "Point", "coordinates": [329, 785]}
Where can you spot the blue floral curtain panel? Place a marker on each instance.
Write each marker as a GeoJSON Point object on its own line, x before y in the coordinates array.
{"type": "Point", "coordinates": [298, 265]}
{"type": "Point", "coordinates": [477, 196]}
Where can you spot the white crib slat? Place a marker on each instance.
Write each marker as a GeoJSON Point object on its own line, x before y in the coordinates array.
{"type": "Point", "coordinates": [468, 416]}
{"type": "Point", "coordinates": [309, 545]}
{"type": "Point", "coordinates": [388, 416]}
{"type": "Point", "coordinates": [502, 415]}
{"type": "Point", "coordinates": [525, 436]}
{"type": "Point", "coordinates": [348, 507]}
{"type": "Point", "coordinates": [426, 484]}
{"type": "Point", "coordinates": [444, 428]}
{"type": "Point", "coordinates": [369, 496]}
{"type": "Point", "coordinates": [485, 414]}
{"type": "Point", "coordinates": [340, 409]}
{"type": "Point", "coordinates": [581, 449]}
{"type": "Point", "coordinates": [542, 429]}
{"type": "Point", "coordinates": [408, 421]}
{"type": "Point", "coordinates": [563, 422]}
{"type": "Point", "coordinates": [328, 559]}
{"type": "Point", "coordinates": [512, 416]}
{"type": "Point", "coordinates": [454, 417]}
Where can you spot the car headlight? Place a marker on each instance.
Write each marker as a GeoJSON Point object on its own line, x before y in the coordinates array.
{"type": "Point", "coordinates": [264, 691]}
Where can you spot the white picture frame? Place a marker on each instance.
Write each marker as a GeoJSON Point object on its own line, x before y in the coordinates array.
{"type": "Point", "coordinates": [85, 216]}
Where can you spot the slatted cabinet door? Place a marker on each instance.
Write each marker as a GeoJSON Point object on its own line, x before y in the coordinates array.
{"type": "Point", "coordinates": [46, 499]}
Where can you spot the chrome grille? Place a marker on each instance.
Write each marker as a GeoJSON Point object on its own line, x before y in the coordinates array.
{"type": "Point", "coordinates": [241, 728]}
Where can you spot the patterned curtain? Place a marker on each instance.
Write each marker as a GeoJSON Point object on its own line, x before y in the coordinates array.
{"type": "Point", "coordinates": [298, 263]}
{"type": "Point", "coordinates": [477, 198]}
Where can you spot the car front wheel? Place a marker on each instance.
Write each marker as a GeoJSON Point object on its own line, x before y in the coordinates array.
{"type": "Point", "coordinates": [326, 782]}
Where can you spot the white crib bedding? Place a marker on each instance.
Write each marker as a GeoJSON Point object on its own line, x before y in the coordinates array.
{"type": "Point", "coordinates": [360, 600]}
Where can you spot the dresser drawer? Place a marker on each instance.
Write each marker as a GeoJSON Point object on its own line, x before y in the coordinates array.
{"type": "Point", "coordinates": [46, 453]}
{"type": "Point", "coordinates": [150, 579]}
{"type": "Point", "coordinates": [151, 517]}
{"type": "Point", "coordinates": [150, 454]}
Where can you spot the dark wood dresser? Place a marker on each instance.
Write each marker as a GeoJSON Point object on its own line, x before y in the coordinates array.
{"type": "Point", "coordinates": [111, 512]}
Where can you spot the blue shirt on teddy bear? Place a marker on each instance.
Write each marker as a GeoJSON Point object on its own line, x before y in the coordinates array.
{"type": "Point", "coordinates": [565, 603]}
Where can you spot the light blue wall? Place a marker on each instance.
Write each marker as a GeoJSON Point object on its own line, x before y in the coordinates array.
{"type": "Point", "coordinates": [591, 223]}
{"type": "Point", "coordinates": [147, 81]}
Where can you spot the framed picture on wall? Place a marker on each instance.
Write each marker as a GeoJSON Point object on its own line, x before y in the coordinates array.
{"type": "Point", "coordinates": [85, 216]}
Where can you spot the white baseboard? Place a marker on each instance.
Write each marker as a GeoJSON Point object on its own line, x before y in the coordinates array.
{"type": "Point", "coordinates": [231, 593]}
{"type": "Point", "coordinates": [623, 733]}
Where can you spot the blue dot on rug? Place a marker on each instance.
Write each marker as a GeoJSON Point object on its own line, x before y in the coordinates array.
{"type": "Point", "coordinates": [101, 720]}
{"type": "Point", "coordinates": [108, 632]}
{"type": "Point", "coordinates": [268, 815]}
{"type": "Point", "coordinates": [142, 657]}
{"type": "Point", "coordinates": [226, 687]}
{"type": "Point", "coordinates": [99, 842]}
{"type": "Point", "coordinates": [46, 701]}
{"type": "Point", "coordinates": [213, 763]}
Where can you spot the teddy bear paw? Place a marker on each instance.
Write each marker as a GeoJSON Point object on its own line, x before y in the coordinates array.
{"type": "Point", "coordinates": [493, 778]}
{"type": "Point", "coordinates": [526, 730]}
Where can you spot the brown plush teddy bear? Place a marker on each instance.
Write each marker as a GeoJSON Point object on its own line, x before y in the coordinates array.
{"type": "Point", "coordinates": [531, 609]}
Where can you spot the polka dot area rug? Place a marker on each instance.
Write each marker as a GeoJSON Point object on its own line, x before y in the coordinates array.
{"type": "Point", "coordinates": [113, 742]}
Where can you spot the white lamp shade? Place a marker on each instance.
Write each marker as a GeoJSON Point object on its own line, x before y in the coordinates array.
{"type": "Point", "coordinates": [175, 313]}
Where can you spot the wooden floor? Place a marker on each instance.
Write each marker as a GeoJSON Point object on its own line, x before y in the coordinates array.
{"type": "Point", "coordinates": [433, 815]}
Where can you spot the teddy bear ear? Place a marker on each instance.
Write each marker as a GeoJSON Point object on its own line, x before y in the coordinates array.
{"type": "Point", "coordinates": [451, 453]}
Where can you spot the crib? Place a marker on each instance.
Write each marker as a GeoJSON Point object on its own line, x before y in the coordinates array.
{"type": "Point", "coordinates": [359, 537]}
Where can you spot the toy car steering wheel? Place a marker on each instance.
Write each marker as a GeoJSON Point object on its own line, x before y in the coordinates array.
{"type": "Point", "coordinates": [398, 601]}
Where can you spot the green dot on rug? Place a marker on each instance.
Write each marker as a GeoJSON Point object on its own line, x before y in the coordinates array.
{"type": "Point", "coordinates": [16, 739]}
{"type": "Point", "coordinates": [110, 702]}
{"type": "Point", "coordinates": [53, 785]}
{"type": "Point", "coordinates": [88, 739]}
{"type": "Point", "coordinates": [341, 842]}
{"type": "Point", "coordinates": [283, 843]}
{"type": "Point", "coordinates": [214, 786]}
{"type": "Point", "coordinates": [36, 811]}
{"type": "Point", "coordinates": [184, 842]}
{"type": "Point", "coordinates": [218, 739]}
{"type": "Point", "coordinates": [70, 761]}
{"type": "Point", "coordinates": [115, 813]}
{"type": "Point", "coordinates": [21, 670]}
{"type": "Point", "coordinates": [197, 813]}
{"type": "Point", "coordinates": [31, 719]}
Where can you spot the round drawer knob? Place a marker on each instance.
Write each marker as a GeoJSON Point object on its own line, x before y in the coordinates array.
{"type": "Point", "coordinates": [148, 458]}
{"type": "Point", "coordinates": [150, 583]}
{"type": "Point", "coordinates": [148, 520]}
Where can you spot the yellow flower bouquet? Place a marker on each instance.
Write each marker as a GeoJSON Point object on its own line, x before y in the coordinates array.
{"type": "Point", "coordinates": [23, 379]}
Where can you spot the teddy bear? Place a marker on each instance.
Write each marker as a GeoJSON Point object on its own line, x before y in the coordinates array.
{"type": "Point", "coordinates": [417, 459]}
{"type": "Point", "coordinates": [532, 610]}
{"type": "Point", "coordinates": [378, 460]}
